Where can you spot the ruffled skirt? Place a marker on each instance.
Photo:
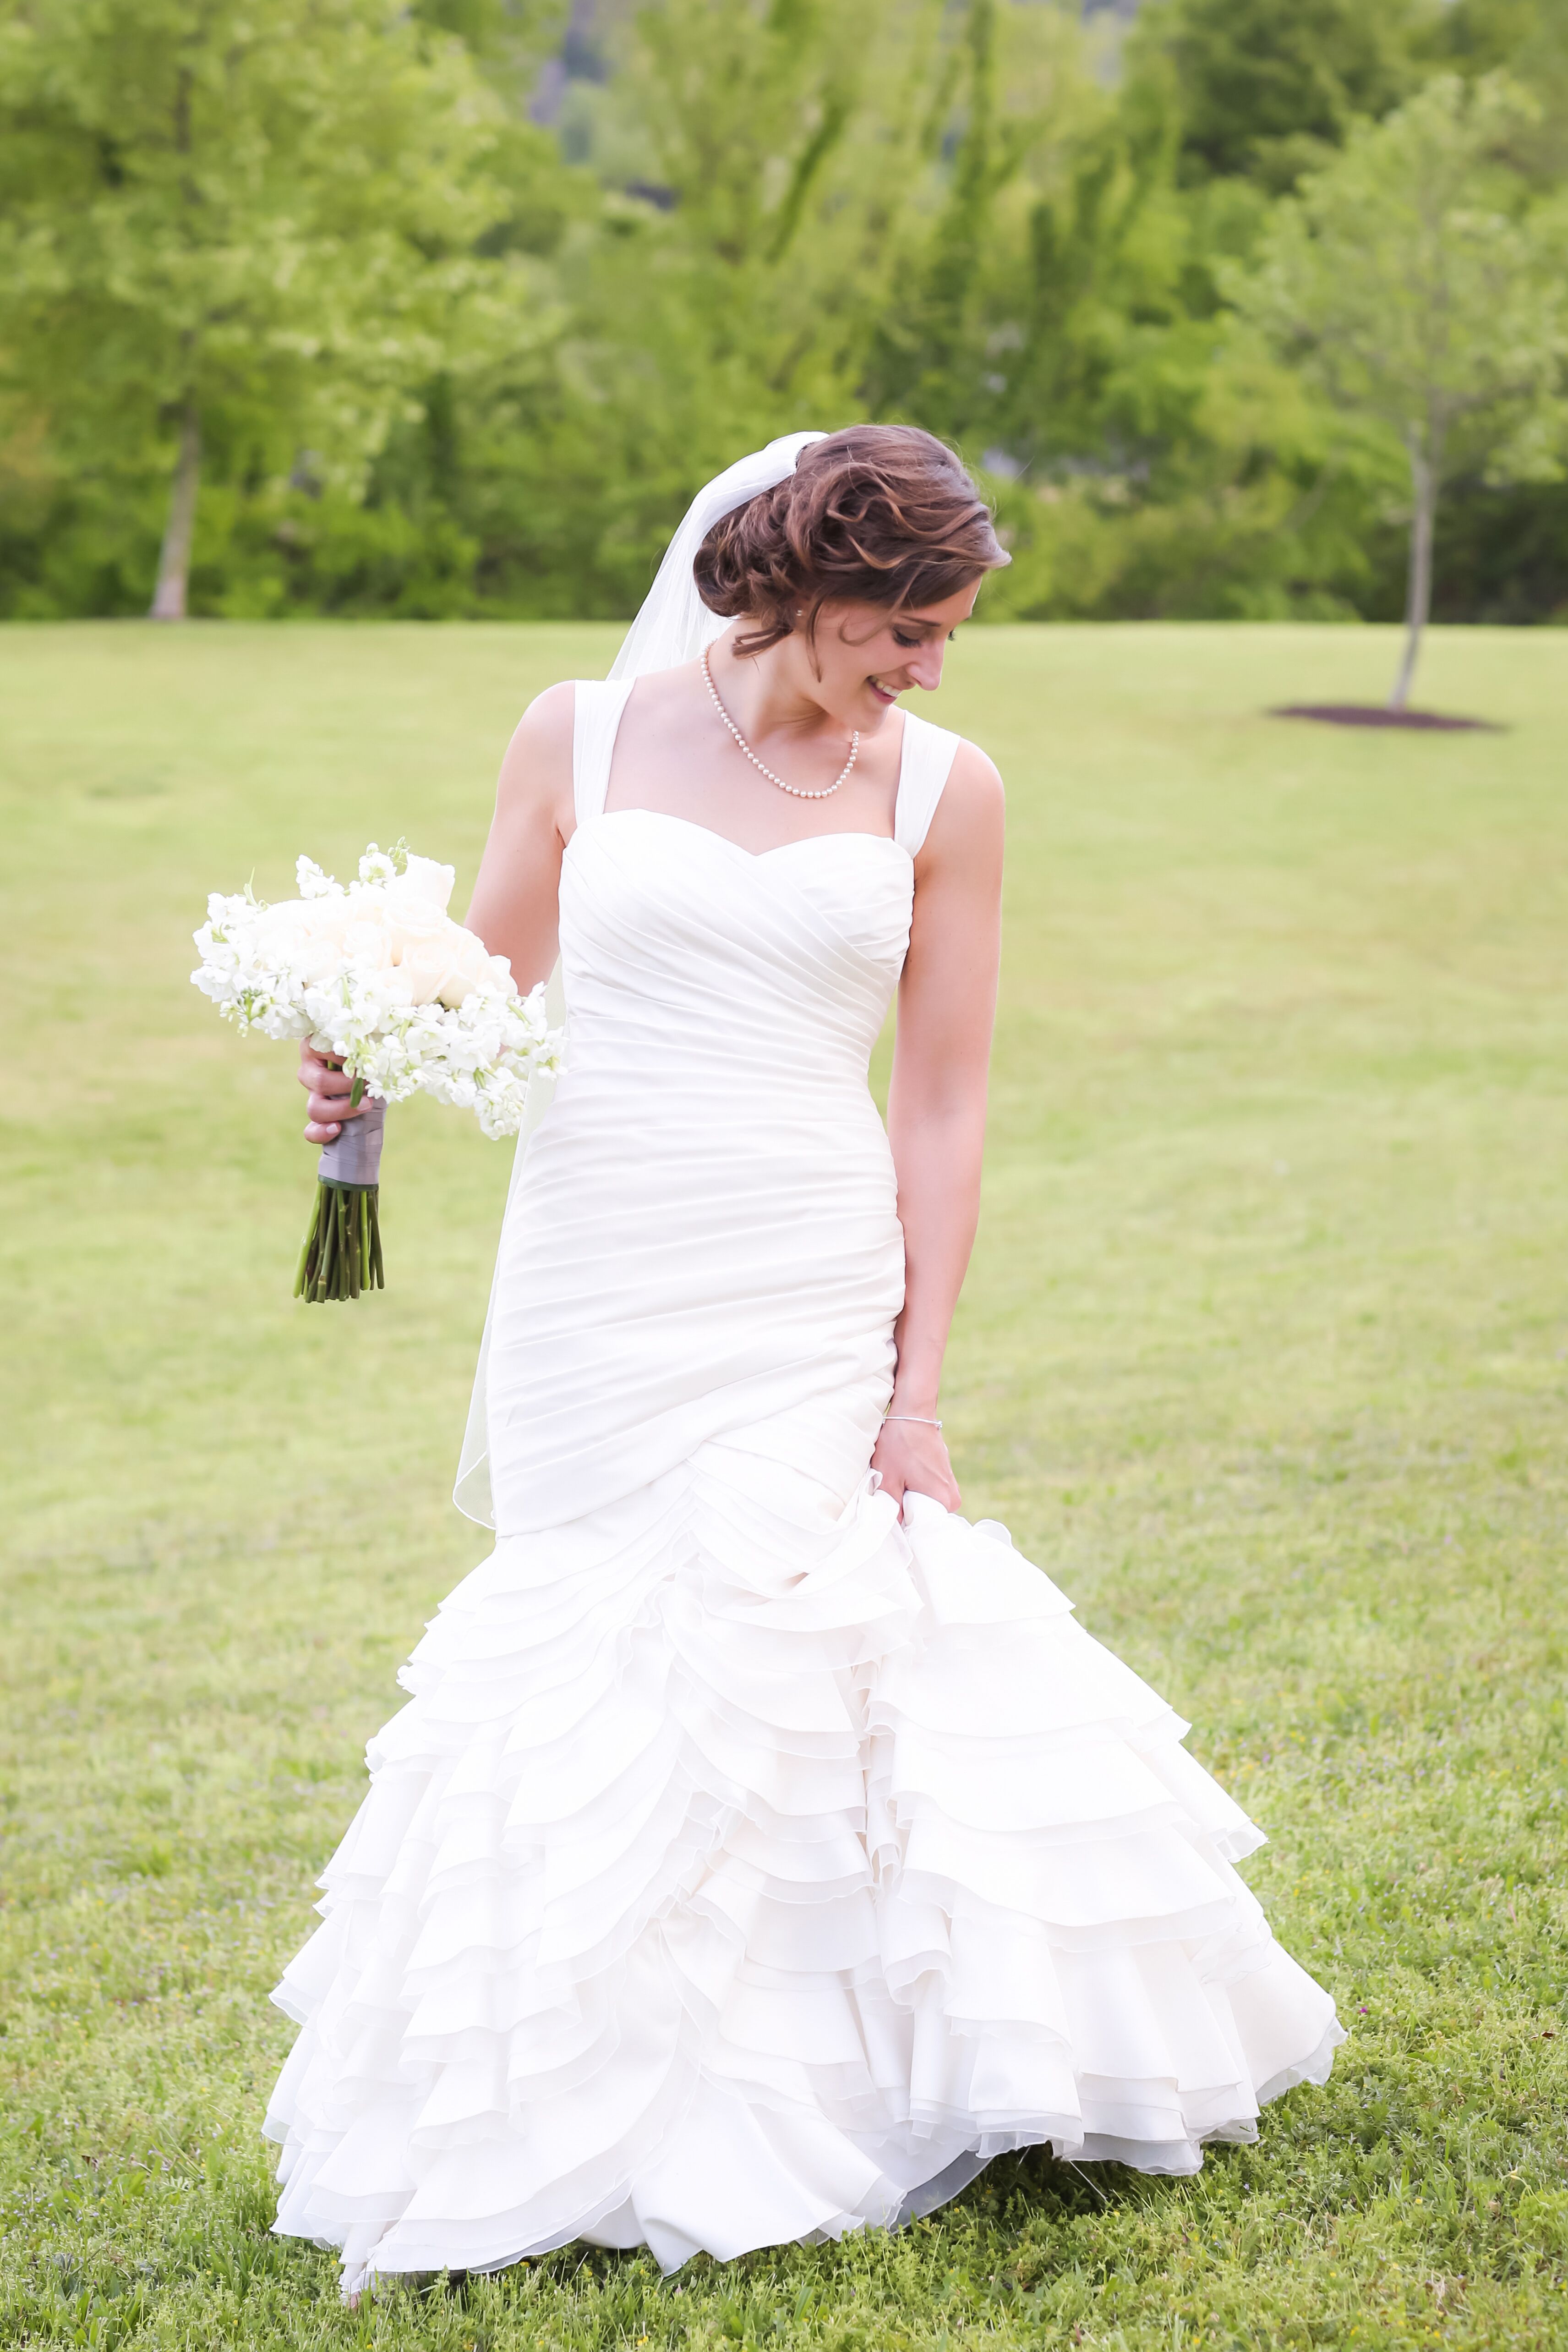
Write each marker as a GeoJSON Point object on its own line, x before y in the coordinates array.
{"type": "Point", "coordinates": [749, 1866]}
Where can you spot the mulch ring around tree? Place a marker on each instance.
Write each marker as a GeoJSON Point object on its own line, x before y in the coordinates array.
{"type": "Point", "coordinates": [1377, 714]}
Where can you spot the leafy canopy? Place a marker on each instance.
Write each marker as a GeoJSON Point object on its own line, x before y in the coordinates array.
{"type": "Point", "coordinates": [264, 209]}
{"type": "Point", "coordinates": [1261, 88]}
{"type": "Point", "coordinates": [1412, 281]}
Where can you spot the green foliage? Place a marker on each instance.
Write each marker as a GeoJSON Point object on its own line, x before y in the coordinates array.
{"type": "Point", "coordinates": [453, 360]}
{"type": "Point", "coordinates": [1261, 88]}
{"type": "Point", "coordinates": [1008, 103]}
{"type": "Point", "coordinates": [792, 184]}
{"type": "Point", "coordinates": [1162, 462]}
{"type": "Point", "coordinates": [1263, 1356]}
{"type": "Point", "coordinates": [261, 215]}
{"type": "Point", "coordinates": [1414, 286]}
{"type": "Point", "coordinates": [1407, 277]}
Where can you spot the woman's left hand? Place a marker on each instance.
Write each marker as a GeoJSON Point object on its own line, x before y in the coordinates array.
{"type": "Point", "coordinates": [913, 1460]}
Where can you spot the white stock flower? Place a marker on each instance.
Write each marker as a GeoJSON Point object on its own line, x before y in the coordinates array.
{"type": "Point", "coordinates": [312, 882]}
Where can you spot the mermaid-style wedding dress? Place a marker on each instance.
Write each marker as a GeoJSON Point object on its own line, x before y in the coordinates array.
{"type": "Point", "coordinates": [747, 1865]}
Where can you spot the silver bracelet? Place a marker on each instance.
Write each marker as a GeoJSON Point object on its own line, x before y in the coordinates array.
{"type": "Point", "coordinates": [923, 1419]}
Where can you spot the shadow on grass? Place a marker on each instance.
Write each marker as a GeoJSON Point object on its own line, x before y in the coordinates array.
{"type": "Point", "coordinates": [1378, 714]}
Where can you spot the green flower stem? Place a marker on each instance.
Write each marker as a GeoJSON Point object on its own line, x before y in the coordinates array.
{"type": "Point", "coordinates": [305, 1248]}
{"type": "Point", "coordinates": [340, 1256]}
{"type": "Point", "coordinates": [351, 1243]}
{"type": "Point", "coordinates": [324, 1268]}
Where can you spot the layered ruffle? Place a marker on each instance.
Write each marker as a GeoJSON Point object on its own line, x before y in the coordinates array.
{"type": "Point", "coordinates": [749, 1866]}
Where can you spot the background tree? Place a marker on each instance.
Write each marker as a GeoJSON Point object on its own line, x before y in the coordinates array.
{"type": "Point", "coordinates": [235, 221]}
{"type": "Point", "coordinates": [1008, 105]}
{"type": "Point", "coordinates": [1410, 281]}
{"type": "Point", "coordinates": [1260, 87]}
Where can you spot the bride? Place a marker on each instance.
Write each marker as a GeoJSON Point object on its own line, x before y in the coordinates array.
{"type": "Point", "coordinates": [763, 1847]}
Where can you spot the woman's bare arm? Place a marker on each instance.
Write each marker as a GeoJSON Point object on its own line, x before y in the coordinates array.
{"type": "Point", "coordinates": [937, 1105]}
{"type": "Point", "coordinates": [515, 909]}
{"type": "Point", "coordinates": [516, 904]}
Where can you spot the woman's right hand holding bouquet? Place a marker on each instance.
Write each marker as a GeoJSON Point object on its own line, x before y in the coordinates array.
{"type": "Point", "coordinates": [330, 1087]}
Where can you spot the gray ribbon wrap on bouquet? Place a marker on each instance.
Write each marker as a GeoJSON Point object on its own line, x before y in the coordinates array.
{"type": "Point", "coordinates": [354, 1156]}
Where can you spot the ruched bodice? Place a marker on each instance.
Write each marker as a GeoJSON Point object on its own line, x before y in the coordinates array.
{"type": "Point", "coordinates": [751, 1862]}
{"type": "Point", "coordinates": [706, 1231]}
{"type": "Point", "coordinates": [816, 930]}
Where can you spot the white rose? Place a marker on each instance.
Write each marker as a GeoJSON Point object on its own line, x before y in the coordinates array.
{"type": "Point", "coordinates": [482, 970]}
{"type": "Point", "coordinates": [372, 945]}
{"type": "Point", "coordinates": [305, 935]}
{"type": "Point", "coordinates": [422, 884]}
{"type": "Point", "coordinates": [468, 965]}
{"type": "Point", "coordinates": [447, 964]}
{"type": "Point", "coordinates": [411, 920]}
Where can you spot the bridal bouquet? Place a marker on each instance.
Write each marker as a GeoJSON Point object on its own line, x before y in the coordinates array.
{"type": "Point", "coordinates": [377, 975]}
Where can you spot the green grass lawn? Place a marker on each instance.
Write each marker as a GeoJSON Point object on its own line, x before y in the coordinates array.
{"type": "Point", "coordinates": [1264, 1356]}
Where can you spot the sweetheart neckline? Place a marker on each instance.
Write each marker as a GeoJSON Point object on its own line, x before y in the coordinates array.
{"type": "Point", "coordinates": [757, 856]}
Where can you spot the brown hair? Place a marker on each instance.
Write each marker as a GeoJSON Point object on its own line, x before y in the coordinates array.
{"type": "Point", "coordinates": [878, 514]}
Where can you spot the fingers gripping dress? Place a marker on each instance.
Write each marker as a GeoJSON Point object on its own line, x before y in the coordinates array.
{"type": "Point", "coordinates": [747, 1866]}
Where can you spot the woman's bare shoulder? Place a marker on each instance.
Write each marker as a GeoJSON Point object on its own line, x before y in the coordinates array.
{"type": "Point", "coordinates": [547, 724]}
{"type": "Point", "coordinates": [974, 776]}
{"type": "Point", "coordinates": [537, 764]}
{"type": "Point", "coordinates": [971, 811]}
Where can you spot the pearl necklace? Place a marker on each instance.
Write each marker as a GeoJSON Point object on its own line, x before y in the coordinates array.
{"type": "Point", "coordinates": [799, 791]}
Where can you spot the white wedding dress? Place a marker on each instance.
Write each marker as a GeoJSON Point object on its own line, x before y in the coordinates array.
{"type": "Point", "coordinates": [747, 1865]}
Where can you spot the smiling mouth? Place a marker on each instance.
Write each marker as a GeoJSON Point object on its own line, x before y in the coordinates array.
{"type": "Point", "coordinates": [883, 693]}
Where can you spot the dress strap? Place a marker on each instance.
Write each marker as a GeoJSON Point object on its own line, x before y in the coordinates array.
{"type": "Point", "coordinates": [925, 765]}
{"type": "Point", "coordinates": [596, 721]}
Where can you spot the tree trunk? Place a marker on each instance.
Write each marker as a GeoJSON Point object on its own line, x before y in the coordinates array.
{"type": "Point", "coordinates": [175, 558]}
{"type": "Point", "coordinates": [1418, 585]}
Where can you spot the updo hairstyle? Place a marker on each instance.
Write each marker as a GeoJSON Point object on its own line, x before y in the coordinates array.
{"type": "Point", "coordinates": [879, 514]}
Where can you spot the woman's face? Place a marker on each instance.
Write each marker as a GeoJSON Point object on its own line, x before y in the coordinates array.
{"type": "Point", "coordinates": [864, 656]}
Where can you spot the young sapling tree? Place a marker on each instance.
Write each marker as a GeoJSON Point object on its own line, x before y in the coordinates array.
{"type": "Point", "coordinates": [1411, 277]}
